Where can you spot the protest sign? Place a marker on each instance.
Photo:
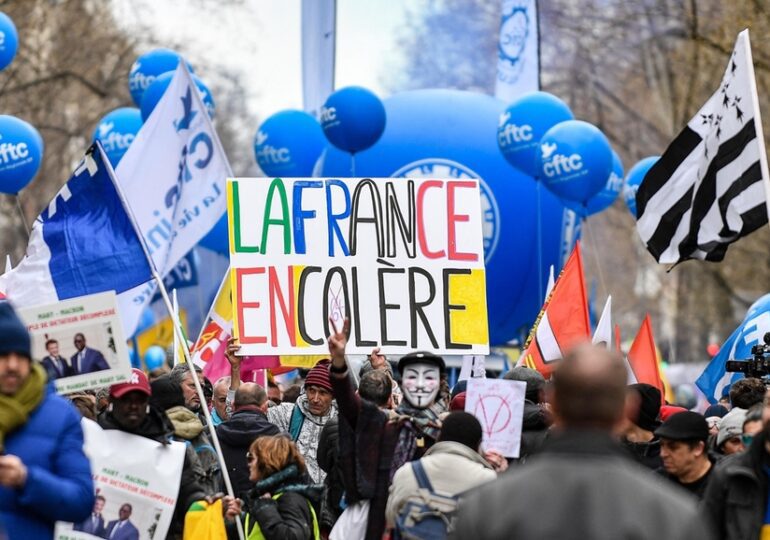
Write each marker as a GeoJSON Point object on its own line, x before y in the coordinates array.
{"type": "Point", "coordinates": [499, 406]}
{"type": "Point", "coordinates": [136, 480]}
{"type": "Point", "coordinates": [79, 341]}
{"type": "Point", "coordinates": [402, 259]}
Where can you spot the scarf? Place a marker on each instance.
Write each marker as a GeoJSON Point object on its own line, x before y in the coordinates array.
{"type": "Point", "coordinates": [187, 425]}
{"type": "Point", "coordinates": [15, 409]}
{"type": "Point", "coordinates": [415, 423]}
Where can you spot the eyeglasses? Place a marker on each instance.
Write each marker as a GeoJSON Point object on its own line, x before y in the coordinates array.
{"type": "Point", "coordinates": [250, 458]}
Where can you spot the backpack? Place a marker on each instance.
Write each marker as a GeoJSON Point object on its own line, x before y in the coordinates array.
{"type": "Point", "coordinates": [427, 515]}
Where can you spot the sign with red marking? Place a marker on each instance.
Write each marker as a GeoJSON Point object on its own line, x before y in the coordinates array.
{"type": "Point", "coordinates": [499, 406]}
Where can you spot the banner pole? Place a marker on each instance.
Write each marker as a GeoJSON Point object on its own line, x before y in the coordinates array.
{"type": "Point", "coordinates": [177, 331]}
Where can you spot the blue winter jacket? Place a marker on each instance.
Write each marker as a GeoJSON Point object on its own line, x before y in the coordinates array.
{"type": "Point", "coordinates": [59, 484]}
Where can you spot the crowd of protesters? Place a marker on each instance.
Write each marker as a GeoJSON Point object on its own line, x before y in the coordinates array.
{"type": "Point", "coordinates": [360, 456]}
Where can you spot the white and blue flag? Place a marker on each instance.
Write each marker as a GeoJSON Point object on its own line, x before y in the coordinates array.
{"type": "Point", "coordinates": [83, 243]}
{"type": "Point", "coordinates": [518, 50]}
{"type": "Point", "coordinates": [173, 176]}
{"type": "Point", "coordinates": [738, 346]}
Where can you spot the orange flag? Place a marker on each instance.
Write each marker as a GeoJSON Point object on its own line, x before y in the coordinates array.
{"type": "Point", "coordinates": [643, 357]}
{"type": "Point", "coordinates": [563, 321]}
{"type": "Point", "coordinates": [617, 339]}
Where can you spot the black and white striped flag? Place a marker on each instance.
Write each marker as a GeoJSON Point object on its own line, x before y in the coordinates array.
{"type": "Point", "coordinates": [709, 187]}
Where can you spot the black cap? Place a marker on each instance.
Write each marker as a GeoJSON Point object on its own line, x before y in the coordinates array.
{"type": "Point", "coordinates": [421, 358]}
{"type": "Point", "coordinates": [684, 426]}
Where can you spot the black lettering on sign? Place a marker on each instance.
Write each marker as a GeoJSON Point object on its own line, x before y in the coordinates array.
{"type": "Point", "coordinates": [301, 306]}
{"type": "Point", "coordinates": [357, 315]}
{"type": "Point", "coordinates": [384, 307]}
{"type": "Point", "coordinates": [376, 219]}
{"type": "Point", "coordinates": [416, 307]}
{"type": "Point", "coordinates": [394, 216]}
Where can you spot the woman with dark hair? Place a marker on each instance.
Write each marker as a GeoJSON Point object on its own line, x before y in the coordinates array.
{"type": "Point", "coordinates": [282, 505]}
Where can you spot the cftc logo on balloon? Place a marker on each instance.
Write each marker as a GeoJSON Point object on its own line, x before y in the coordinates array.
{"type": "Point", "coordinates": [446, 168]}
{"type": "Point", "coordinates": [508, 134]}
{"type": "Point", "coordinates": [328, 117]}
{"type": "Point", "coordinates": [268, 154]}
{"type": "Point", "coordinates": [558, 164]}
{"type": "Point", "coordinates": [112, 140]}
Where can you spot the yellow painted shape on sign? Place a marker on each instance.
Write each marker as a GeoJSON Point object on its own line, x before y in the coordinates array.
{"type": "Point", "coordinates": [301, 361]}
{"type": "Point", "coordinates": [297, 273]}
{"type": "Point", "coordinates": [223, 304]}
{"type": "Point", "coordinates": [470, 324]}
{"type": "Point", "coordinates": [230, 214]}
{"type": "Point", "coordinates": [161, 334]}
{"type": "Point", "coordinates": [234, 294]}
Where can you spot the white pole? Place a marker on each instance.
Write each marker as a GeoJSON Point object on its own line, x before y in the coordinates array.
{"type": "Point", "coordinates": [178, 333]}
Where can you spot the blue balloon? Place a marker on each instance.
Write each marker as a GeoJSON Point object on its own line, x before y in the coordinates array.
{"type": "Point", "coordinates": [9, 41]}
{"type": "Point", "coordinates": [353, 119]}
{"type": "Point", "coordinates": [147, 67]}
{"type": "Point", "coordinates": [450, 134]}
{"type": "Point", "coordinates": [523, 124]}
{"type": "Point", "coordinates": [154, 358]}
{"type": "Point", "coordinates": [576, 160]}
{"type": "Point", "coordinates": [604, 199]}
{"type": "Point", "coordinates": [116, 131]}
{"type": "Point", "coordinates": [156, 90]}
{"type": "Point", "coordinates": [634, 179]}
{"type": "Point", "coordinates": [216, 239]}
{"type": "Point", "coordinates": [288, 144]}
{"type": "Point", "coordinates": [21, 151]}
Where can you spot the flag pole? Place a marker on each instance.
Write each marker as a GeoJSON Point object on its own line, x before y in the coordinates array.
{"type": "Point", "coordinates": [176, 337]}
{"type": "Point", "coordinates": [758, 121]}
{"type": "Point", "coordinates": [179, 334]}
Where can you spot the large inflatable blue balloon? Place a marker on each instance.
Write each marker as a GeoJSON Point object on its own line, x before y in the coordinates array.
{"type": "Point", "coordinates": [451, 134]}
{"type": "Point", "coordinates": [217, 239]}
{"type": "Point", "coordinates": [9, 41]}
{"type": "Point", "coordinates": [288, 144]}
{"type": "Point", "coordinates": [604, 199]}
{"type": "Point", "coordinates": [156, 90]}
{"type": "Point", "coordinates": [576, 160]}
{"type": "Point", "coordinates": [523, 124]}
{"type": "Point", "coordinates": [154, 358]}
{"type": "Point", "coordinates": [634, 179]}
{"type": "Point", "coordinates": [116, 131]}
{"type": "Point", "coordinates": [21, 151]}
{"type": "Point", "coordinates": [148, 67]}
{"type": "Point", "coordinates": [353, 118]}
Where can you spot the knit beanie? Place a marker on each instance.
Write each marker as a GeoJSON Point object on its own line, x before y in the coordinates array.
{"type": "Point", "coordinates": [458, 402]}
{"type": "Point", "coordinates": [319, 375]}
{"type": "Point", "coordinates": [14, 337]}
{"type": "Point", "coordinates": [716, 410]}
{"type": "Point", "coordinates": [166, 393]}
{"type": "Point", "coordinates": [649, 406]}
{"type": "Point", "coordinates": [731, 425]}
{"type": "Point", "coordinates": [461, 427]}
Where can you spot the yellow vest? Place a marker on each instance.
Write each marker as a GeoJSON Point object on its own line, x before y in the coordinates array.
{"type": "Point", "coordinates": [256, 532]}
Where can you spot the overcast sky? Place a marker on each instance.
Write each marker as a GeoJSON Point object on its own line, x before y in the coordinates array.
{"type": "Point", "coordinates": [261, 39]}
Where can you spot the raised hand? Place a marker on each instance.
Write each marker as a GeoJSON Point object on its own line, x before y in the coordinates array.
{"type": "Point", "coordinates": [378, 361]}
{"type": "Point", "coordinates": [337, 343]}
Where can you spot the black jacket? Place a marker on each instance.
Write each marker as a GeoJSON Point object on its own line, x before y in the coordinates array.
{"type": "Point", "coordinates": [235, 438]}
{"type": "Point", "coordinates": [288, 517]}
{"type": "Point", "coordinates": [582, 485]}
{"type": "Point", "coordinates": [646, 453]}
{"type": "Point", "coordinates": [534, 429]}
{"type": "Point", "coordinates": [158, 427]}
{"type": "Point", "coordinates": [736, 497]}
{"type": "Point", "coordinates": [334, 484]}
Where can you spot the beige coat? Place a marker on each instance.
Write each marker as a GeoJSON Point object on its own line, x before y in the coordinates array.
{"type": "Point", "coordinates": [451, 467]}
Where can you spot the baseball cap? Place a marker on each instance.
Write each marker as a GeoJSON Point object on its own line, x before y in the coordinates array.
{"type": "Point", "coordinates": [137, 382]}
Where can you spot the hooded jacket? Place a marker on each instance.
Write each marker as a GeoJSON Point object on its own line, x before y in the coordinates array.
{"type": "Point", "coordinates": [310, 433]}
{"type": "Point", "coordinates": [59, 484]}
{"type": "Point", "coordinates": [235, 438]}
{"type": "Point", "coordinates": [158, 427]}
{"type": "Point", "coordinates": [451, 467]}
{"type": "Point", "coordinates": [189, 428]}
{"type": "Point", "coordinates": [534, 429]}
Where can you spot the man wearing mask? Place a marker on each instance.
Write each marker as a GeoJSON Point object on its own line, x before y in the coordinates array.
{"type": "Point", "coordinates": [44, 475]}
{"type": "Point", "coordinates": [382, 443]}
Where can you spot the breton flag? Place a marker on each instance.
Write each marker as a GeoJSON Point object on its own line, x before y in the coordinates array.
{"type": "Point", "coordinates": [708, 188]}
{"type": "Point", "coordinates": [173, 177]}
{"type": "Point", "coordinates": [563, 321]}
{"type": "Point", "coordinates": [83, 243]}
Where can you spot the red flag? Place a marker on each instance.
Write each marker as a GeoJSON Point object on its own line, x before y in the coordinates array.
{"type": "Point", "coordinates": [617, 339]}
{"type": "Point", "coordinates": [563, 321]}
{"type": "Point", "coordinates": [643, 357]}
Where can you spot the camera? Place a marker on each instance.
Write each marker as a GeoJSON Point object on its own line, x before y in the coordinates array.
{"type": "Point", "coordinates": [758, 365]}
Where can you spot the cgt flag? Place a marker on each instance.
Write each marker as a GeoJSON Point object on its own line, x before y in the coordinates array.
{"type": "Point", "coordinates": [82, 243]}
{"type": "Point", "coordinates": [709, 187]}
{"type": "Point", "coordinates": [563, 322]}
{"type": "Point", "coordinates": [173, 177]}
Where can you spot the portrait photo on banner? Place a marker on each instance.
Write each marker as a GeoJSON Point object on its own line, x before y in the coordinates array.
{"type": "Point", "coordinates": [79, 342]}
